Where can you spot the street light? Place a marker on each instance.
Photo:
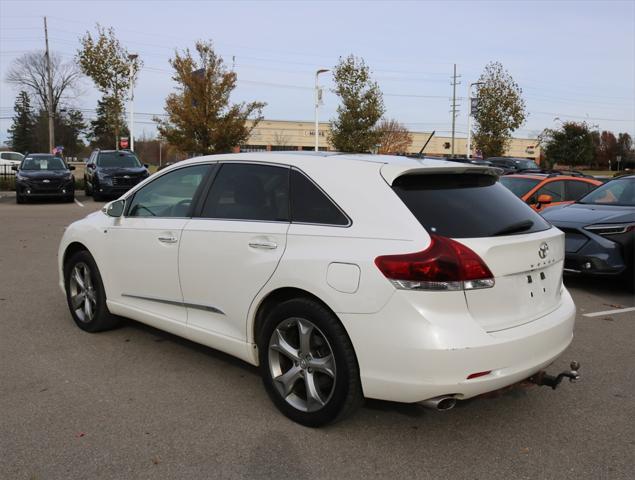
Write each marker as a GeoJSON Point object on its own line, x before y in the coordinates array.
{"type": "Point", "coordinates": [132, 57]}
{"type": "Point", "coordinates": [469, 117]}
{"type": "Point", "coordinates": [318, 98]}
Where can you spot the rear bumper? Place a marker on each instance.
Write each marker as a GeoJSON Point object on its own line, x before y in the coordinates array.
{"type": "Point", "coordinates": [419, 358]}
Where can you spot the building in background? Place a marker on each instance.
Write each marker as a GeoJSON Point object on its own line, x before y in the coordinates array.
{"type": "Point", "coordinates": [276, 135]}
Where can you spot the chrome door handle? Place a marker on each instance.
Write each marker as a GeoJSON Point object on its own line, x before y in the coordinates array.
{"type": "Point", "coordinates": [264, 245]}
{"type": "Point", "coordinates": [167, 239]}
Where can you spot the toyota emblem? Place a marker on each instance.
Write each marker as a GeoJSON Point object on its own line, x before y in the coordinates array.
{"type": "Point", "coordinates": [543, 251]}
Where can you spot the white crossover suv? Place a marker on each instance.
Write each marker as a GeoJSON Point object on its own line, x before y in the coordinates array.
{"type": "Point", "coordinates": [341, 276]}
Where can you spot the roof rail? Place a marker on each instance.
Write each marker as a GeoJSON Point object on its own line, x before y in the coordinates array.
{"type": "Point", "coordinates": [551, 173]}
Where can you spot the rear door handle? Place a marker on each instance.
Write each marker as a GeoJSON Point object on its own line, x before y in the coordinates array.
{"type": "Point", "coordinates": [264, 245]}
{"type": "Point", "coordinates": [167, 239]}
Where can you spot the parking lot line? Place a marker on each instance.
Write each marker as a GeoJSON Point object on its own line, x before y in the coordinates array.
{"type": "Point", "coordinates": [79, 203]}
{"type": "Point", "coordinates": [609, 312]}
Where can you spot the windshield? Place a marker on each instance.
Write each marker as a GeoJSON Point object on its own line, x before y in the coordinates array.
{"type": "Point", "coordinates": [118, 159]}
{"type": "Point", "coordinates": [12, 156]}
{"type": "Point", "coordinates": [43, 162]}
{"type": "Point", "coordinates": [526, 164]}
{"type": "Point", "coordinates": [616, 192]}
{"type": "Point", "coordinates": [519, 186]}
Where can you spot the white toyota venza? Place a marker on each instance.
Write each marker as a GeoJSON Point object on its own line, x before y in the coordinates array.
{"type": "Point", "coordinates": [340, 276]}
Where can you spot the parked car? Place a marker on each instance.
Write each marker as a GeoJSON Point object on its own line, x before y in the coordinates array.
{"type": "Point", "coordinates": [44, 175]}
{"type": "Point", "coordinates": [110, 173]}
{"type": "Point", "coordinates": [513, 165]}
{"type": "Point", "coordinates": [341, 276]}
{"type": "Point", "coordinates": [541, 191]}
{"type": "Point", "coordinates": [9, 160]}
{"type": "Point", "coordinates": [600, 230]}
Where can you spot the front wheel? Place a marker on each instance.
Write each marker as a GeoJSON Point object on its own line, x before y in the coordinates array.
{"type": "Point", "coordinates": [308, 364]}
{"type": "Point", "coordinates": [85, 294]}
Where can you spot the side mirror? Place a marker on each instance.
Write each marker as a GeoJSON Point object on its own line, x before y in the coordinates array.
{"type": "Point", "coordinates": [146, 165]}
{"type": "Point", "coordinates": [545, 199]}
{"type": "Point", "coordinates": [71, 167]}
{"type": "Point", "coordinates": [114, 209]}
{"type": "Point", "coordinates": [90, 165]}
{"type": "Point", "coordinates": [14, 168]}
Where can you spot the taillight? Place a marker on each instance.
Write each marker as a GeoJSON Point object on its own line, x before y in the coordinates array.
{"type": "Point", "coordinates": [445, 265]}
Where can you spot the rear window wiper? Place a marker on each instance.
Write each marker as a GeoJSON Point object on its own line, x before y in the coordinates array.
{"type": "Point", "coordinates": [515, 228]}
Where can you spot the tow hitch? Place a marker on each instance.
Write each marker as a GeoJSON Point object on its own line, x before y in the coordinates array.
{"type": "Point", "coordinates": [543, 378]}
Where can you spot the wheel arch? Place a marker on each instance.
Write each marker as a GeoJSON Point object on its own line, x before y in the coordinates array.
{"type": "Point", "coordinates": [71, 249]}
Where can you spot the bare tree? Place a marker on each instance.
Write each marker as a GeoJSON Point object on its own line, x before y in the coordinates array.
{"type": "Point", "coordinates": [394, 137]}
{"type": "Point", "coordinates": [280, 139]}
{"type": "Point", "coordinates": [28, 72]}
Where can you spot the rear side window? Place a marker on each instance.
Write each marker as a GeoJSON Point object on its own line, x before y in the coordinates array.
{"type": "Point", "coordinates": [466, 206]}
{"type": "Point", "coordinates": [554, 189]}
{"type": "Point", "coordinates": [310, 205]}
{"type": "Point", "coordinates": [244, 191]}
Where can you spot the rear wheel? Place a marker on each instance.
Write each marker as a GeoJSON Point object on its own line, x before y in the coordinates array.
{"type": "Point", "coordinates": [85, 294]}
{"type": "Point", "coordinates": [308, 364]}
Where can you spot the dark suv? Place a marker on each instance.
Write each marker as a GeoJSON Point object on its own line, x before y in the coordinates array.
{"type": "Point", "coordinates": [110, 173]}
{"type": "Point", "coordinates": [513, 165]}
{"type": "Point", "coordinates": [43, 175]}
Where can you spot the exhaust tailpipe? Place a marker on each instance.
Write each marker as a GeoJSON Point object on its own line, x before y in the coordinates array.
{"type": "Point", "coordinates": [441, 404]}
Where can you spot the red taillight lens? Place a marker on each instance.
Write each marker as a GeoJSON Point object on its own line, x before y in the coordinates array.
{"type": "Point", "coordinates": [478, 374]}
{"type": "Point", "coordinates": [445, 265]}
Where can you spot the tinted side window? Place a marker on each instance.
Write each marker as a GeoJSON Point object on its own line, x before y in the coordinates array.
{"type": "Point", "coordinates": [310, 205]}
{"type": "Point", "coordinates": [577, 190]}
{"type": "Point", "coordinates": [170, 195]}
{"type": "Point", "coordinates": [554, 189]}
{"type": "Point", "coordinates": [465, 205]}
{"type": "Point", "coordinates": [244, 191]}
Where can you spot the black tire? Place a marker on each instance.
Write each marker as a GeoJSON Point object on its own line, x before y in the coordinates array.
{"type": "Point", "coordinates": [101, 319]}
{"type": "Point", "coordinates": [343, 388]}
{"type": "Point", "coordinates": [87, 190]}
{"type": "Point", "coordinates": [97, 197]}
{"type": "Point", "coordinates": [70, 199]}
{"type": "Point", "coordinates": [19, 198]}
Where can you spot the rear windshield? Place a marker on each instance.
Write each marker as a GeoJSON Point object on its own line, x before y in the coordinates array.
{"type": "Point", "coordinates": [118, 159]}
{"type": "Point", "coordinates": [519, 186]}
{"type": "Point", "coordinates": [466, 206]}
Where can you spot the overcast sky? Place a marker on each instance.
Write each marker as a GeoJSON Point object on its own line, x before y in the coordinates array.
{"type": "Point", "coordinates": [573, 60]}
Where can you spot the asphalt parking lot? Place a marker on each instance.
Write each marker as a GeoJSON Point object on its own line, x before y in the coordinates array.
{"type": "Point", "coordinates": [139, 403]}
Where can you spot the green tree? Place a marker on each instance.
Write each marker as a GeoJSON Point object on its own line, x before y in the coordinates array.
{"type": "Point", "coordinates": [395, 137]}
{"type": "Point", "coordinates": [69, 131]}
{"type": "Point", "coordinates": [361, 107]}
{"type": "Point", "coordinates": [109, 65]}
{"type": "Point", "coordinates": [625, 150]}
{"type": "Point", "coordinates": [101, 133]}
{"type": "Point", "coordinates": [200, 118]}
{"type": "Point", "coordinates": [500, 110]}
{"type": "Point", "coordinates": [21, 131]}
{"type": "Point", "coordinates": [570, 145]}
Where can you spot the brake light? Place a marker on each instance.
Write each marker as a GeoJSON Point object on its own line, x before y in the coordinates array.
{"type": "Point", "coordinates": [445, 265]}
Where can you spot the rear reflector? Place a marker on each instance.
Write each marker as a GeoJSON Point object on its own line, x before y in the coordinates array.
{"type": "Point", "coordinates": [445, 265]}
{"type": "Point", "coordinates": [478, 374]}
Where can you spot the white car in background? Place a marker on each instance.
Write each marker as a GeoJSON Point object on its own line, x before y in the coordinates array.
{"type": "Point", "coordinates": [8, 160]}
{"type": "Point", "coordinates": [341, 276]}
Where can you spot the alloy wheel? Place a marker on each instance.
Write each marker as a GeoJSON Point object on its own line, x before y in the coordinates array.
{"type": "Point", "coordinates": [302, 364]}
{"type": "Point", "coordinates": [82, 293]}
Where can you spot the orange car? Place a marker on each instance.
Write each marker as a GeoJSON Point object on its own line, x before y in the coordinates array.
{"type": "Point", "coordinates": [543, 190]}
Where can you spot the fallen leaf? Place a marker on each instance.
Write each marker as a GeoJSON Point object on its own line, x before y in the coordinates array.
{"type": "Point", "coordinates": [156, 460]}
{"type": "Point", "coordinates": [80, 434]}
{"type": "Point", "coordinates": [614, 305]}
{"type": "Point", "coordinates": [524, 450]}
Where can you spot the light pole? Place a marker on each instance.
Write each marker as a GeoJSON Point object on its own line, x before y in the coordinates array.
{"type": "Point", "coordinates": [318, 98]}
{"type": "Point", "coordinates": [132, 57]}
{"type": "Point", "coordinates": [469, 118]}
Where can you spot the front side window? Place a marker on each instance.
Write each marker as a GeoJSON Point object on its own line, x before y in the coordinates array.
{"type": "Point", "coordinates": [310, 205]}
{"type": "Point", "coordinates": [519, 186]}
{"type": "Point", "coordinates": [577, 190]}
{"type": "Point", "coordinates": [554, 189]}
{"type": "Point", "coordinates": [244, 191]}
{"type": "Point", "coordinates": [118, 160]}
{"type": "Point", "coordinates": [170, 195]}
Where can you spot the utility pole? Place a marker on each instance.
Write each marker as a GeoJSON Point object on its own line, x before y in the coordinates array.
{"type": "Point", "coordinates": [454, 105]}
{"type": "Point", "coordinates": [132, 57]}
{"type": "Point", "coordinates": [318, 101]}
{"type": "Point", "coordinates": [49, 105]}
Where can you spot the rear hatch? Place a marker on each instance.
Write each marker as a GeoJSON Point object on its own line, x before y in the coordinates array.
{"type": "Point", "coordinates": [523, 252]}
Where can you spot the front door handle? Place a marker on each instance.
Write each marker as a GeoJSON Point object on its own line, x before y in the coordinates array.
{"type": "Point", "coordinates": [264, 245]}
{"type": "Point", "coordinates": [167, 239]}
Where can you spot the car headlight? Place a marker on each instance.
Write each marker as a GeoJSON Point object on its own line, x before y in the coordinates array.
{"type": "Point", "coordinates": [20, 177]}
{"type": "Point", "coordinates": [611, 229]}
{"type": "Point", "coordinates": [104, 180]}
